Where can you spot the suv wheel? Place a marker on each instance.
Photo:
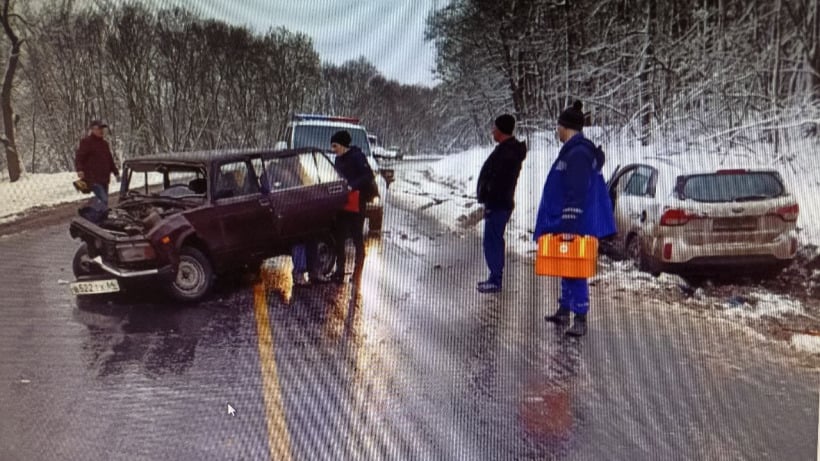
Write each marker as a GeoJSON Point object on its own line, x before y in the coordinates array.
{"type": "Point", "coordinates": [194, 276]}
{"type": "Point", "coordinates": [82, 265]}
{"type": "Point", "coordinates": [635, 253]}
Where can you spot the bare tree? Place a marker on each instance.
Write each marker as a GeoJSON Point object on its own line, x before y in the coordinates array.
{"type": "Point", "coordinates": [12, 156]}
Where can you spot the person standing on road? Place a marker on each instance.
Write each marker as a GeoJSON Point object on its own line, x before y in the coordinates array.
{"type": "Point", "coordinates": [574, 202]}
{"type": "Point", "coordinates": [94, 162]}
{"type": "Point", "coordinates": [351, 163]}
{"type": "Point", "coordinates": [496, 191]}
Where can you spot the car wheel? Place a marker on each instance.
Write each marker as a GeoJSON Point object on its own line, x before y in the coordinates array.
{"type": "Point", "coordinates": [194, 277]}
{"type": "Point", "coordinates": [325, 256]}
{"type": "Point", "coordinates": [82, 265]}
{"type": "Point", "coordinates": [635, 253]}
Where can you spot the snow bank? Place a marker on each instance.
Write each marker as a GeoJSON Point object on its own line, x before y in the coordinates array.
{"type": "Point", "coordinates": [36, 190]}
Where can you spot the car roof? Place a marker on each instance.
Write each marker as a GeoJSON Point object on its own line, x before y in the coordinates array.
{"type": "Point", "coordinates": [205, 157]}
{"type": "Point", "coordinates": [693, 165]}
{"type": "Point", "coordinates": [330, 123]}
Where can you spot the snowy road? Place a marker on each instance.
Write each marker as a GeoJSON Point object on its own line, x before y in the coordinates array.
{"type": "Point", "coordinates": [415, 365]}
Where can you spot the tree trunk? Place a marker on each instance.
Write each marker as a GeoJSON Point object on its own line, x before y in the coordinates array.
{"type": "Point", "coordinates": [814, 52]}
{"type": "Point", "coordinates": [775, 83]}
{"type": "Point", "coordinates": [12, 156]}
{"type": "Point", "coordinates": [647, 62]}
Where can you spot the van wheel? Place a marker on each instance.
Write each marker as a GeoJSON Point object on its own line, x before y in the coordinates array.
{"type": "Point", "coordinates": [81, 265]}
{"type": "Point", "coordinates": [194, 278]}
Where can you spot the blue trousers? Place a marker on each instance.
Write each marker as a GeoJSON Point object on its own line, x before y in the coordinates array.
{"type": "Point", "coordinates": [574, 295]}
{"type": "Point", "coordinates": [101, 192]}
{"type": "Point", "coordinates": [495, 222]}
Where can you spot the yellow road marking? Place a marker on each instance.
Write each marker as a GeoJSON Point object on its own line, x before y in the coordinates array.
{"type": "Point", "coordinates": [278, 435]}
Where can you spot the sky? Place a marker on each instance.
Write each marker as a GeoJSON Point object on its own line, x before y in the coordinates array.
{"type": "Point", "coordinates": [389, 33]}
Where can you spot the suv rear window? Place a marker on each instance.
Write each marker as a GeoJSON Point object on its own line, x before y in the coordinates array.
{"type": "Point", "coordinates": [730, 187]}
{"type": "Point", "coordinates": [319, 136]}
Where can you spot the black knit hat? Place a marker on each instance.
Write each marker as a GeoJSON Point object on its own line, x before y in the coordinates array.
{"type": "Point", "coordinates": [341, 137]}
{"type": "Point", "coordinates": [572, 117]}
{"type": "Point", "coordinates": [505, 123]}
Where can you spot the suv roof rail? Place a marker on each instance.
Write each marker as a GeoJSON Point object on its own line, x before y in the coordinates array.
{"type": "Point", "coordinates": [326, 118]}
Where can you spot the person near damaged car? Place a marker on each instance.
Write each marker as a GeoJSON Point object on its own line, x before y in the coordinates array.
{"type": "Point", "coordinates": [94, 162]}
{"type": "Point", "coordinates": [352, 164]}
{"type": "Point", "coordinates": [574, 202]}
{"type": "Point", "coordinates": [496, 191]}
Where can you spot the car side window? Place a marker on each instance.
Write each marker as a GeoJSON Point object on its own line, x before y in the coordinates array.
{"type": "Point", "coordinates": [286, 173]}
{"type": "Point", "coordinates": [311, 170]}
{"type": "Point", "coordinates": [325, 169]}
{"type": "Point", "coordinates": [235, 179]}
{"type": "Point", "coordinates": [638, 184]}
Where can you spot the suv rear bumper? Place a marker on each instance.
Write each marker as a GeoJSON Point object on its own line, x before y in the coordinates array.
{"type": "Point", "coordinates": [745, 256]}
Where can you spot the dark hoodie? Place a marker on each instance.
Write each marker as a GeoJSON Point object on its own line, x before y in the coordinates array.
{"type": "Point", "coordinates": [499, 175]}
{"type": "Point", "coordinates": [354, 168]}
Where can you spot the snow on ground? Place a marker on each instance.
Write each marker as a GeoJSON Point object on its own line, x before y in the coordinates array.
{"type": "Point", "coordinates": [38, 190]}
{"type": "Point", "coordinates": [450, 198]}
{"type": "Point", "coordinates": [34, 190]}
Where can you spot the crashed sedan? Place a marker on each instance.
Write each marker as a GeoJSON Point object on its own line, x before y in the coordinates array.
{"type": "Point", "coordinates": [184, 219]}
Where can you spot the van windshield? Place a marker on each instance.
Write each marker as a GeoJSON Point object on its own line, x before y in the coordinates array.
{"type": "Point", "coordinates": [319, 136]}
{"type": "Point", "coordinates": [735, 186]}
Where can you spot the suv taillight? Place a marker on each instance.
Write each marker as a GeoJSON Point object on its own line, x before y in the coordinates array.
{"type": "Point", "coordinates": [676, 217]}
{"type": "Point", "coordinates": [788, 213]}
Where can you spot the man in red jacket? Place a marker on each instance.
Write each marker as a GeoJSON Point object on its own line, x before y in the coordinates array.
{"type": "Point", "coordinates": [94, 162]}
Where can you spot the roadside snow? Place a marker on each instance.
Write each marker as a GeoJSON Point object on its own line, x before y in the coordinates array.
{"type": "Point", "coordinates": [35, 190]}
{"type": "Point", "coordinates": [38, 190]}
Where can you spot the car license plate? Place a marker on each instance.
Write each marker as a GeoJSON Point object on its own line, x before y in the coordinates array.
{"type": "Point", "coordinates": [95, 287]}
{"type": "Point", "coordinates": [735, 224]}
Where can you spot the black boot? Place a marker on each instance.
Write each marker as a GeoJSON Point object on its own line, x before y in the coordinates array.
{"type": "Point", "coordinates": [560, 317]}
{"type": "Point", "coordinates": [579, 326]}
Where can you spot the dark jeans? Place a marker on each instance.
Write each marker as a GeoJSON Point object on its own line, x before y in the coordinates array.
{"type": "Point", "coordinates": [574, 295]}
{"type": "Point", "coordinates": [349, 225]}
{"type": "Point", "coordinates": [101, 192]}
{"type": "Point", "coordinates": [495, 223]}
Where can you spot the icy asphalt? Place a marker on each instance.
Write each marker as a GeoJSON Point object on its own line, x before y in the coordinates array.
{"type": "Point", "coordinates": [411, 364]}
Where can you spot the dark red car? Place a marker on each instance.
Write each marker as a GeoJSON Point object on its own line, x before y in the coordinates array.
{"type": "Point", "coordinates": [186, 218]}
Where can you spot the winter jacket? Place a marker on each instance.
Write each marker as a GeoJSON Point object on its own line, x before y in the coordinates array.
{"type": "Point", "coordinates": [575, 198]}
{"type": "Point", "coordinates": [499, 175]}
{"type": "Point", "coordinates": [354, 168]}
{"type": "Point", "coordinates": [94, 159]}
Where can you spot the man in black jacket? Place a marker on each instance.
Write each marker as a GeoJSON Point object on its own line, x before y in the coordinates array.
{"type": "Point", "coordinates": [496, 191]}
{"type": "Point", "coordinates": [352, 165]}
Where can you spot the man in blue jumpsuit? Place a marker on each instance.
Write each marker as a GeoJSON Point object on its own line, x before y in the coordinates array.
{"type": "Point", "coordinates": [575, 202]}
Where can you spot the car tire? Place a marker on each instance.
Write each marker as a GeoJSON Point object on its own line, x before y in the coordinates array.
{"type": "Point", "coordinates": [194, 277]}
{"type": "Point", "coordinates": [634, 252]}
{"type": "Point", "coordinates": [325, 262]}
{"type": "Point", "coordinates": [81, 266]}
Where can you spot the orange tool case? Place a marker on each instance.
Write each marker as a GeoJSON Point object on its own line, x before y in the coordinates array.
{"type": "Point", "coordinates": [577, 258]}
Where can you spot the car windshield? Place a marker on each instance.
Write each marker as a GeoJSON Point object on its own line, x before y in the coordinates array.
{"type": "Point", "coordinates": [319, 136]}
{"type": "Point", "coordinates": [164, 181]}
{"type": "Point", "coordinates": [731, 187]}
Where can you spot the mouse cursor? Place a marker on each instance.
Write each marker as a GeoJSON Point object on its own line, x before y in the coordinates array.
{"type": "Point", "coordinates": [231, 410]}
